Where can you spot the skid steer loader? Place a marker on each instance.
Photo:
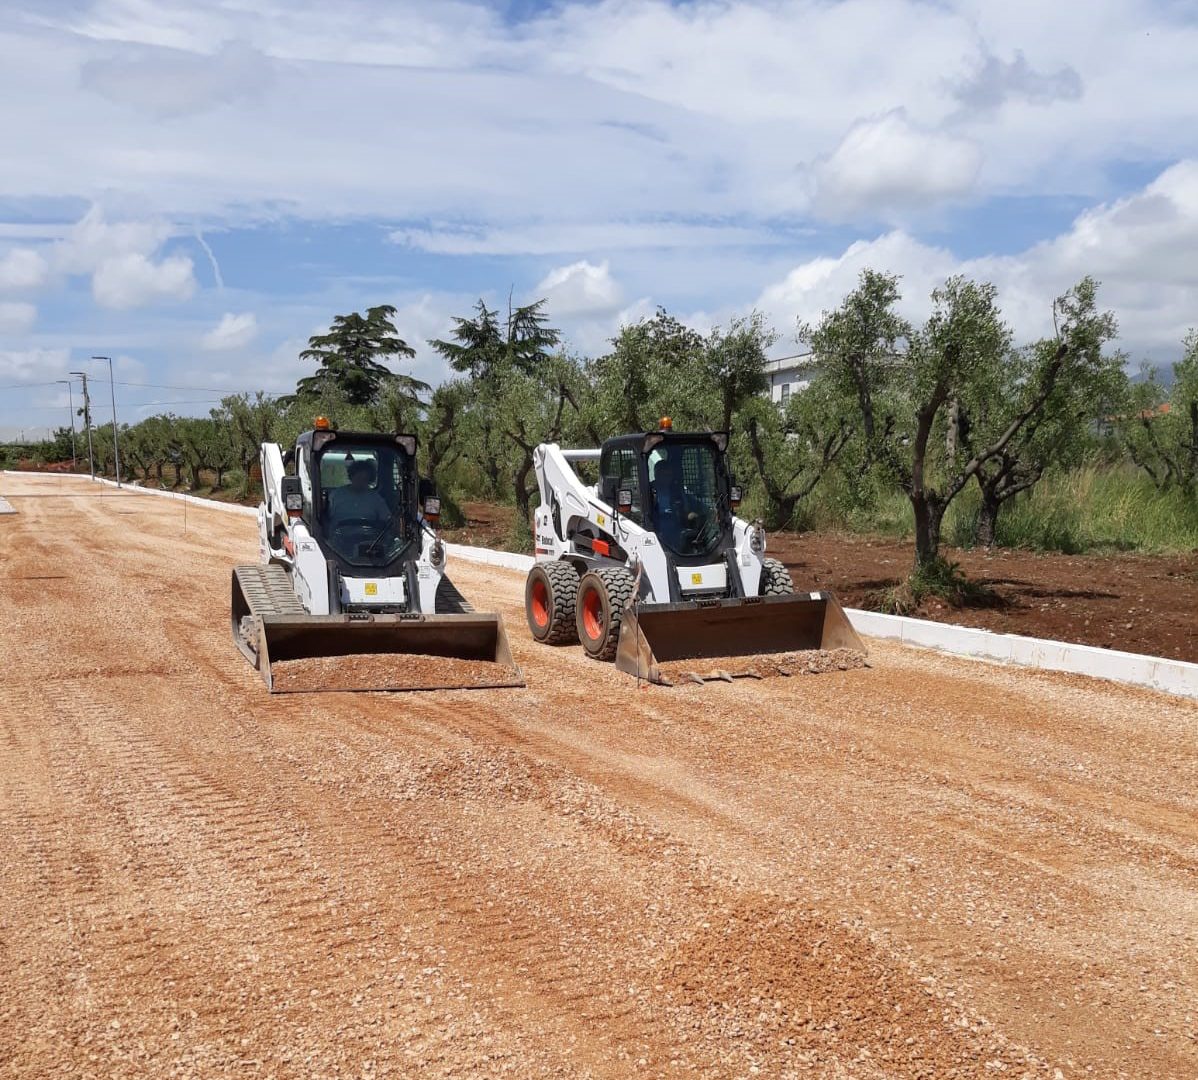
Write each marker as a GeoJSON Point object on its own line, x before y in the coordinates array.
{"type": "Point", "coordinates": [651, 566]}
{"type": "Point", "coordinates": [352, 570]}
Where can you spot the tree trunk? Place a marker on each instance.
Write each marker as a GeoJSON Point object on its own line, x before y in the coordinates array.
{"type": "Point", "coordinates": [987, 519]}
{"type": "Point", "coordinates": [928, 517]}
{"type": "Point", "coordinates": [523, 495]}
{"type": "Point", "coordinates": [220, 476]}
{"type": "Point", "coordinates": [952, 437]}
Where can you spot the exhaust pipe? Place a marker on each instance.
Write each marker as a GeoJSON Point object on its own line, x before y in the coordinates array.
{"type": "Point", "coordinates": [656, 634]}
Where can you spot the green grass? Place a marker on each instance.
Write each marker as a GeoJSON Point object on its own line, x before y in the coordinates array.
{"type": "Point", "coordinates": [1101, 509]}
{"type": "Point", "coordinates": [1094, 508]}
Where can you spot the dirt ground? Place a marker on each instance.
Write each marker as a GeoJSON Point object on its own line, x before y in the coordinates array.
{"type": "Point", "coordinates": [927, 868]}
{"type": "Point", "coordinates": [1136, 603]}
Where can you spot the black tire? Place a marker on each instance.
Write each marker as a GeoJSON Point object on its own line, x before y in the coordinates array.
{"type": "Point", "coordinates": [549, 597]}
{"type": "Point", "coordinates": [775, 579]}
{"type": "Point", "coordinates": [602, 597]}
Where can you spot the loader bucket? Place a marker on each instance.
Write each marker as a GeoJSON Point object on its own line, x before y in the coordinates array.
{"type": "Point", "coordinates": [652, 635]}
{"type": "Point", "coordinates": [307, 653]}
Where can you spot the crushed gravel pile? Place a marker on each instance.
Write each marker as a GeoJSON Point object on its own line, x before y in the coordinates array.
{"type": "Point", "coordinates": [766, 665]}
{"type": "Point", "coordinates": [388, 671]}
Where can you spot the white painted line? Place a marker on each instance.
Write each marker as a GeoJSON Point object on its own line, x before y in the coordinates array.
{"type": "Point", "coordinates": [1158, 673]}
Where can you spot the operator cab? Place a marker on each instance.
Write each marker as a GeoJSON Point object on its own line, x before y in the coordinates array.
{"type": "Point", "coordinates": [360, 496]}
{"type": "Point", "coordinates": [675, 485]}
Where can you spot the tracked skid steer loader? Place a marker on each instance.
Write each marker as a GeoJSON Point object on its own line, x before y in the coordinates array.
{"type": "Point", "coordinates": [651, 567]}
{"type": "Point", "coordinates": [350, 592]}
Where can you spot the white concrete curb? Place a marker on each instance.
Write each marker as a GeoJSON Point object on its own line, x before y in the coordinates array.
{"type": "Point", "coordinates": [5, 506]}
{"type": "Point", "coordinates": [137, 489]}
{"type": "Point", "coordinates": [195, 500]}
{"type": "Point", "coordinates": [1158, 673]}
{"type": "Point", "coordinates": [509, 560]}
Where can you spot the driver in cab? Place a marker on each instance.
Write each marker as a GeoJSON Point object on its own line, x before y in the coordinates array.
{"type": "Point", "coordinates": [358, 501]}
{"type": "Point", "coordinates": [669, 503]}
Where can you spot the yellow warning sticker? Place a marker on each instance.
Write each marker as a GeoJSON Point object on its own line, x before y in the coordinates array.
{"type": "Point", "coordinates": [601, 519]}
{"type": "Point", "coordinates": [696, 579]}
{"type": "Point", "coordinates": [372, 588]}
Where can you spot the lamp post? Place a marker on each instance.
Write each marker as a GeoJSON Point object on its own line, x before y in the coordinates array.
{"type": "Point", "coordinates": [71, 400]}
{"type": "Point", "coordinates": [87, 423]}
{"type": "Point", "coordinates": [116, 454]}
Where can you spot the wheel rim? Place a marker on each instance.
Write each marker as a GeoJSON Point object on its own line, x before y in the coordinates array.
{"type": "Point", "coordinates": [540, 603]}
{"type": "Point", "coordinates": [592, 614]}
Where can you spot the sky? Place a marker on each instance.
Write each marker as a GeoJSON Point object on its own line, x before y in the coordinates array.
{"type": "Point", "coordinates": [196, 188]}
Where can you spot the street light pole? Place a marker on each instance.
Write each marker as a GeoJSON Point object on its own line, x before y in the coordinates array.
{"type": "Point", "coordinates": [116, 454]}
{"type": "Point", "coordinates": [87, 423]}
{"type": "Point", "coordinates": [71, 400]}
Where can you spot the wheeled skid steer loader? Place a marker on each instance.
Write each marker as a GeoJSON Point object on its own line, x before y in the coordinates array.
{"type": "Point", "coordinates": [350, 591]}
{"type": "Point", "coordinates": [652, 568]}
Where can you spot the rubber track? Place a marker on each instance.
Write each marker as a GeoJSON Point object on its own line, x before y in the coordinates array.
{"type": "Point", "coordinates": [449, 601]}
{"type": "Point", "coordinates": [268, 590]}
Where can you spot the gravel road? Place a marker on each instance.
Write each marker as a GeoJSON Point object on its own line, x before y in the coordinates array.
{"type": "Point", "coordinates": [926, 868]}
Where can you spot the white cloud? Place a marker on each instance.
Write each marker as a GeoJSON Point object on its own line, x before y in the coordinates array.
{"type": "Point", "coordinates": [556, 238]}
{"type": "Point", "coordinates": [16, 317]}
{"type": "Point", "coordinates": [131, 280]}
{"type": "Point", "coordinates": [93, 240]}
{"type": "Point", "coordinates": [26, 365]}
{"type": "Point", "coordinates": [22, 268]}
{"type": "Point", "coordinates": [582, 288]}
{"type": "Point", "coordinates": [1140, 248]}
{"type": "Point", "coordinates": [232, 332]}
{"type": "Point", "coordinates": [887, 165]}
{"type": "Point", "coordinates": [167, 82]}
{"type": "Point", "coordinates": [621, 111]}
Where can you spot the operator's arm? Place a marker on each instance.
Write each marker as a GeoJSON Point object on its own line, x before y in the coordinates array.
{"type": "Point", "coordinates": [379, 510]}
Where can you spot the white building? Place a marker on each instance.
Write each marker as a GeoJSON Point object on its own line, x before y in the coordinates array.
{"type": "Point", "coordinates": [790, 375]}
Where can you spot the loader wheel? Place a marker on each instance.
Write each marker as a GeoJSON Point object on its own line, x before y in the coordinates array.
{"type": "Point", "coordinates": [775, 579]}
{"type": "Point", "coordinates": [549, 596]}
{"type": "Point", "coordinates": [602, 597]}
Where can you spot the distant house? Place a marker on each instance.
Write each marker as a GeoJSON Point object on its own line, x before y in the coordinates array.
{"type": "Point", "coordinates": [790, 375]}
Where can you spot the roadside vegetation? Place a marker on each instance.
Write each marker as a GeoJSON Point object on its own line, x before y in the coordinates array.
{"type": "Point", "coordinates": [948, 433]}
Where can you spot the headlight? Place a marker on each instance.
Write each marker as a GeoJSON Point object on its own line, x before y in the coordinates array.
{"type": "Point", "coordinates": [757, 539]}
{"type": "Point", "coordinates": [294, 501]}
{"type": "Point", "coordinates": [436, 555]}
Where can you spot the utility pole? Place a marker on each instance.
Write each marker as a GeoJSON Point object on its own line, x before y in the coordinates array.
{"type": "Point", "coordinates": [71, 400]}
{"type": "Point", "coordinates": [116, 454]}
{"type": "Point", "coordinates": [87, 423]}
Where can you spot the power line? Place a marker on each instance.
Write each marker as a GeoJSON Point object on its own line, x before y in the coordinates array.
{"type": "Point", "coordinates": [201, 389]}
{"type": "Point", "coordinates": [126, 404]}
{"type": "Point", "coordinates": [150, 386]}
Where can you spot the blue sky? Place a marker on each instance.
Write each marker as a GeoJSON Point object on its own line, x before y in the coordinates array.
{"type": "Point", "coordinates": [195, 189]}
